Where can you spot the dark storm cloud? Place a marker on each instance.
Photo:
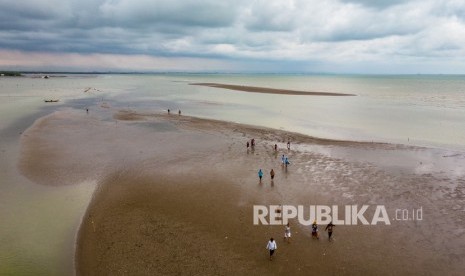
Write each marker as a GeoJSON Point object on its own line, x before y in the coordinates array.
{"type": "Point", "coordinates": [185, 13]}
{"type": "Point", "coordinates": [108, 26]}
{"type": "Point", "coordinates": [287, 31]}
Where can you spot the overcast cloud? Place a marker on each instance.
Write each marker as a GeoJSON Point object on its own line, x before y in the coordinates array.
{"type": "Point", "coordinates": [349, 36]}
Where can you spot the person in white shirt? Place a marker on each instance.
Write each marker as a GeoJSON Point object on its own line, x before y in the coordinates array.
{"type": "Point", "coordinates": [271, 246]}
{"type": "Point", "coordinates": [287, 233]}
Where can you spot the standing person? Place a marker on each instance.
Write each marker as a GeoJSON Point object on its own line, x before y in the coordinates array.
{"type": "Point", "coordinates": [279, 212]}
{"type": "Point", "coordinates": [329, 228]}
{"type": "Point", "coordinates": [287, 233]}
{"type": "Point", "coordinates": [179, 112]}
{"type": "Point", "coordinates": [275, 147]}
{"type": "Point", "coordinates": [252, 142]}
{"type": "Point", "coordinates": [247, 145]}
{"type": "Point", "coordinates": [169, 111]}
{"type": "Point", "coordinates": [315, 230]}
{"type": "Point", "coordinates": [260, 174]}
{"type": "Point", "coordinates": [283, 159]}
{"type": "Point", "coordinates": [288, 144]}
{"type": "Point", "coordinates": [272, 174]}
{"type": "Point", "coordinates": [286, 161]}
{"type": "Point", "coordinates": [87, 110]}
{"type": "Point", "coordinates": [272, 247]}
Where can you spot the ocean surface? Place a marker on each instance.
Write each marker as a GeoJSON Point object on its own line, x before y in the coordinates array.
{"type": "Point", "coordinates": [39, 224]}
{"type": "Point", "coordinates": [425, 110]}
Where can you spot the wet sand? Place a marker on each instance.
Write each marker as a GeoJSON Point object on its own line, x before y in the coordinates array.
{"type": "Point", "coordinates": [267, 90]}
{"type": "Point", "coordinates": [176, 194]}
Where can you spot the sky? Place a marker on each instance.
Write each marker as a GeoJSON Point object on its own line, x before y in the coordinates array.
{"type": "Point", "coordinates": [269, 36]}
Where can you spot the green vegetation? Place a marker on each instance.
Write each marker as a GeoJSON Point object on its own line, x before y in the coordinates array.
{"type": "Point", "coordinates": [10, 74]}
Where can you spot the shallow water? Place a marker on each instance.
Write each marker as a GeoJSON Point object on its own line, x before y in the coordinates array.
{"type": "Point", "coordinates": [39, 223]}
{"type": "Point", "coordinates": [415, 110]}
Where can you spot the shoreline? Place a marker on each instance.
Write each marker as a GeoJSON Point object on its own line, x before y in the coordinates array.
{"type": "Point", "coordinates": [266, 90]}
{"type": "Point", "coordinates": [125, 115]}
{"type": "Point", "coordinates": [303, 136]}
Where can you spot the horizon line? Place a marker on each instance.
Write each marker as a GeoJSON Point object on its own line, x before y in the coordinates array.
{"type": "Point", "coordinates": [223, 73]}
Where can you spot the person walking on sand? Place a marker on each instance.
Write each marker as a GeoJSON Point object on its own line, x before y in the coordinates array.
{"type": "Point", "coordinates": [287, 233]}
{"type": "Point", "coordinates": [288, 144]}
{"type": "Point", "coordinates": [275, 147]}
{"type": "Point", "coordinates": [248, 145]}
{"type": "Point", "coordinates": [260, 174]}
{"type": "Point", "coordinates": [329, 228]}
{"type": "Point", "coordinates": [272, 174]}
{"type": "Point", "coordinates": [315, 231]}
{"type": "Point", "coordinates": [278, 212]}
{"type": "Point", "coordinates": [252, 143]}
{"type": "Point", "coordinates": [179, 112]}
{"type": "Point", "coordinates": [271, 246]}
{"type": "Point", "coordinates": [286, 162]}
{"type": "Point", "coordinates": [169, 111]}
{"type": "Point", "coordinates": [283, 159]}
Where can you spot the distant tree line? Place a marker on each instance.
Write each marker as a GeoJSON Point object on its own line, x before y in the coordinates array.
{"type": "Point", "coordinates": [10, 74]}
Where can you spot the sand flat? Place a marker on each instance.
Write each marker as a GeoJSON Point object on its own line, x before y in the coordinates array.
{"type": "Point", "coordinates": [179, 200]}
{"type": "Point", "coordinates": [267, 90]}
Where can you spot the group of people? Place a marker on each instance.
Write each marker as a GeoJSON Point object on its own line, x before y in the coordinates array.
{"type": "Point", "coordinates": [179, 111]}
{"type": "Point", "coordinates": [328, 228]}
{"type": "Point", "coordinates": [285, 160]}
{"type": "Point", "coordinates": [275, 147]}
{"type": "Point", "coordinates": [251, 144]}
{"type": "Point", "coordinates": [260, 174]}
{"type": "Point", "coordinates": [272, 246]}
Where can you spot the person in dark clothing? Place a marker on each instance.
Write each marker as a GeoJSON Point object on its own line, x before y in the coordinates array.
{"type": "Point", "coordinates": [329, 228]}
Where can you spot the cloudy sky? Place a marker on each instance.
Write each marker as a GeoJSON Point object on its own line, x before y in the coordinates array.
{"type": "Point", "coordinates": [339, 36]}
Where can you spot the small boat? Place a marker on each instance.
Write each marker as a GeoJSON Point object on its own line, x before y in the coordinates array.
{"type": "Point", "coordinates": [51, 101]}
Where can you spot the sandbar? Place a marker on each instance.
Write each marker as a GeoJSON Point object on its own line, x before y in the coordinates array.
{"type": "Point", "coordinates": [255, 89]}
{"type": "Point", "coordinates": [175, 196]}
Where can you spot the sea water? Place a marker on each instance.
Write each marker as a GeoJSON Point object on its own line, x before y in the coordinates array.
{"type": "Point", "coordinates": [39, 223]}
{"type": "Point", "coordinates": [415, 110]}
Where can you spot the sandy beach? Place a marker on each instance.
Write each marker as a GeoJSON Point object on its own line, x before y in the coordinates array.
{"type": "Point", "coordinates": [254, 89]}
{"type": "Point", "coordinates": [175, 195]}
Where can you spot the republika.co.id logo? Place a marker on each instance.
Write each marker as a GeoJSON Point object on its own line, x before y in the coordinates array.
{"type": "Point", "coordinates": [323, 214]}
